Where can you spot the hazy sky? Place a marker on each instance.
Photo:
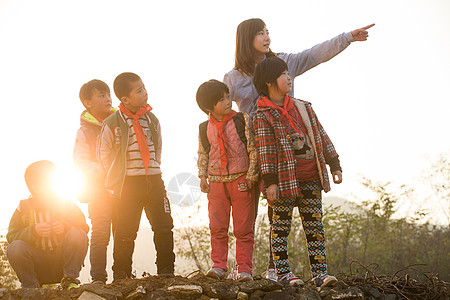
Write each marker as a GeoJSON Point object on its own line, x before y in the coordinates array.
{"type": "Point", "coordinates": [384, 102]}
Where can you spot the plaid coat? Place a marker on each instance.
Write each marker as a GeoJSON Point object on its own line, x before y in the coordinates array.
{"type": "Point", "coordinates": [276, 153]}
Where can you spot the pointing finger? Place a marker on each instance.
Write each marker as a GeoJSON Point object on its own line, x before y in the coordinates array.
{"type": "Point", "coordinates": [368, 26]}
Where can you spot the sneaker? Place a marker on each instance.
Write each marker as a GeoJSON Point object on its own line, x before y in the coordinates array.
{"type": "Point", "coordinates": [270, 274]}
{"type": "Point", "coordinates": [216, 273]}
{"type": "Point", "coordinates": [244, 276]}
{"type": "Point", "coordinates": [68, 283]}
{"type": "Point", "coordinates": [324, 280]}
{"type": "Point", "coordinates": [290, 278]}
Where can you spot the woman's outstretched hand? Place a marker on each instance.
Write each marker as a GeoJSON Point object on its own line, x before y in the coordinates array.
{"type": "Point", "coordinates": [361, 34]}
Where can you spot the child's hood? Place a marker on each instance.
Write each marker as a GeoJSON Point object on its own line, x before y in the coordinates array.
{"type": "Point", "coordinates": [87, 118]}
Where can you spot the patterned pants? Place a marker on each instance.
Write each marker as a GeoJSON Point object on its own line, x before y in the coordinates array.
{"type": "Point", "coordinates": [310, 208]}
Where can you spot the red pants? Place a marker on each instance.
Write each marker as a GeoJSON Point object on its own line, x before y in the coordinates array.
{"type": "Point", "coordinates": [221, 198]}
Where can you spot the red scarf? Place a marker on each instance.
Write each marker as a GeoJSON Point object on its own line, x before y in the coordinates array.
{"type": "Point", "coordinates": [223, 146]}
{"type": "Point", "coordinates": [288, 105]}
{"type": "Point", "coordinates": [142, 141]}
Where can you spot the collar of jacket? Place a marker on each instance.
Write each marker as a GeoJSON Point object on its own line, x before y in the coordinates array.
{"type": "Point", "coordinates": [87, 117]}
{"type": "Point", "coordinates": [275, 112]}
{"type": "Point", "coordinates": [270, 110]}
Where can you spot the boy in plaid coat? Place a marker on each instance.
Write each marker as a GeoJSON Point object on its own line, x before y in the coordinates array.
{"type": "Point", "coordinates": [293, 150]}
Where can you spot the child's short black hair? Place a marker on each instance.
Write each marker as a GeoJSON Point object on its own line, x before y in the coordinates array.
{"type": "Point", "coordinates": [267, 71]}
{"type": "Point", "coordinates": [122, 84]}
{"type": "Point", "coordinates": [209, 93]}
{"type": "Point", "coordinates": [87, 89]}
{"type": "Point", "coordinates": [38, 175]}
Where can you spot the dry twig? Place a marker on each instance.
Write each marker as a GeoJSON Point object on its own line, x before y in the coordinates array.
{"type": "Point", "coordinates": [431, 287]}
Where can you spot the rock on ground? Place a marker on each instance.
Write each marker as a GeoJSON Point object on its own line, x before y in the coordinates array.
{"type": "Point", "coordinates": [202, 288]}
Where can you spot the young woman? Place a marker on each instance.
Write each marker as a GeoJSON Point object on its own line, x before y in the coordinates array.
{"type": "Point", "coordinates": [253, 46]}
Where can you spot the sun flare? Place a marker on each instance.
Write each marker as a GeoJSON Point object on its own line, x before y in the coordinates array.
{"type": "Point", "coordinates": [68, 183]}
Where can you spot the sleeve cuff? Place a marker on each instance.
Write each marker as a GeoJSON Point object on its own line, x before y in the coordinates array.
{"type": "Point", "coordinates": [269, 179]}
{"type": "Point", "coordinates": [335, 164]}
{"type": "Point", "coordinates": [252, 177]}
{"type": "Point", "coordinates": [349, 37]}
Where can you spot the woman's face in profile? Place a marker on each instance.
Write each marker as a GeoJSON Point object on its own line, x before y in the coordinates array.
{"type": "Point", "coordinates": [261, 41]}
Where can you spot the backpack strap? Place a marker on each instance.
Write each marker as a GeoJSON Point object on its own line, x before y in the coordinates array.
{"type": "Point", "coordinates": [154, 133]}
{"type": "Point", "coordinates": [202, 128]}
{"type": "Point", "coordinates": [239, 123]}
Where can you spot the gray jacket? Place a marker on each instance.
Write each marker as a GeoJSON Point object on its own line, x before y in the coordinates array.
{"type": "Point", "coordinates": [244, 93]}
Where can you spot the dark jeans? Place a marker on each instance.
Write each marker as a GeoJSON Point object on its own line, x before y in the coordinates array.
{"type": "Point", "coordinates": [100, 213]}
{"type": "Point", "coordinates": [34, 266]}
{"type": "Point", "coordinates": [149, 194]}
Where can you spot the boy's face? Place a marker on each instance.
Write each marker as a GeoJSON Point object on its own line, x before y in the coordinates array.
{"type": "Point", "coordinates": [100, 104]}
{"type": "Point", "coordinates": [42, 187]}
{"type": "Point", "coordinates": [137, 98]}
{"type": "Point", "coordinates": [284, 83]}
{"type": "Point", "coordinates": [222, 107]}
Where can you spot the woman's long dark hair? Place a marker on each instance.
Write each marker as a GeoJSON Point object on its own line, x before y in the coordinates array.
{"type": "Point", "coordinates": [245, 51]}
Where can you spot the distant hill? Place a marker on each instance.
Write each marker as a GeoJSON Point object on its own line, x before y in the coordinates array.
{"type": "Point", "coordinates": [346, 205]}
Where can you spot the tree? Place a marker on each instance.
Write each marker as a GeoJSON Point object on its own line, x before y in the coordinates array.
{"type": "Point", "coordinates": [438, 177]}
{"type": "Point", "coordinates": [372, 234]}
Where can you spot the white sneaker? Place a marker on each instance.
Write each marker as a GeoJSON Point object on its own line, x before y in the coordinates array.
{"type": "Point", "coordinates": [324, 280]}
{"type": "Point", "coordinates": [216, 273]}
{"type": "Point", "coordinates": [270, 274]}
{"type": "Point", "coordinates": [244, 276]}
{"type": "Point", "coordinates": [290, 278]}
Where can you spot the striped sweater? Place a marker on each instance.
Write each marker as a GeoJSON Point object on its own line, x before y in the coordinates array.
{"type": "Point", "coordinates": [135, 165]}
{"type": "Point", "coordinates": [114, 141]}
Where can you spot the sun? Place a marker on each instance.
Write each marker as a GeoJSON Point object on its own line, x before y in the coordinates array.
{"type": "Point", "coordinates": [67, 183]}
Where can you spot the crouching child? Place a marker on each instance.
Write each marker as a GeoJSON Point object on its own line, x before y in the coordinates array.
{"type": "Point", "coordinates": [47, 235]}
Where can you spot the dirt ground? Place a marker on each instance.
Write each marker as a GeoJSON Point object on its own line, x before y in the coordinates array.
{"type": "Point", "coordinates": [202, 287]}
